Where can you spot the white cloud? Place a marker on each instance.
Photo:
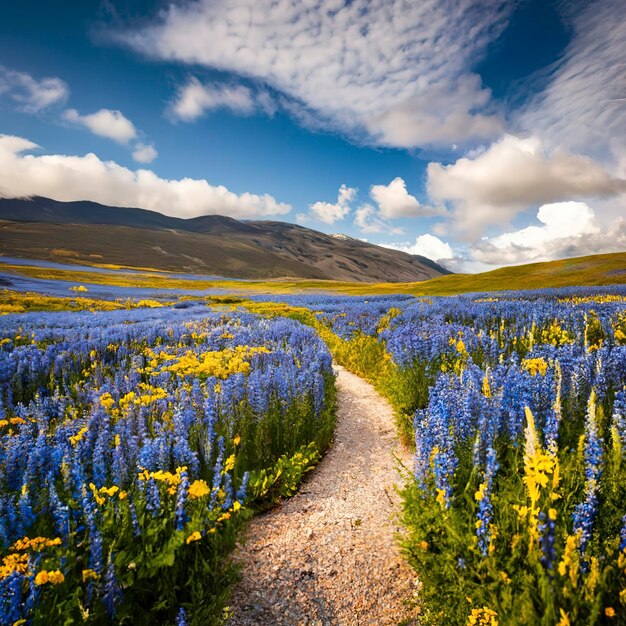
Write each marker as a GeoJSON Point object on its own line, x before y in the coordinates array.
{"type": "Point", "coordinates": [582, 106]}
{"type": "Point", "coordinates": [394, 72]}
{"type": "Point", "coordinates": [394, 201]}
{"type": "Point", "coordinates": [107, 123]}
{"type": "Point", "coordinates": [331, 213]}
{"type": "Point", "coordinates": [144, 153]}
{"type": "Point", "coordinates": [194, 99]}
{"type": "Point", "coordinates": [87, 177]}
{"type": "Point", "coordinates": [512, 175]}
{"type": "Point", "coordinates": [567, 229]}
{"type": "Point", "coordinates": [367, 220]}
{"type": "Point", "coordinates": [426, 245]}
{"type": "Point", "coordinates": [30, 94]}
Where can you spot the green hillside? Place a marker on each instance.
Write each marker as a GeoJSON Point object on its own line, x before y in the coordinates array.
{"type": "Point", "coordinates": [601, 269]}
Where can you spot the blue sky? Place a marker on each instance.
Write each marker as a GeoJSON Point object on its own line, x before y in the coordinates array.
{"type": "Point", "coordinates": [477, 132]}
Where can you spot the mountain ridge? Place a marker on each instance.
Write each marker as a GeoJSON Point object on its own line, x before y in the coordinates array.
{"type": "Point", "coordinates": [88, 232]}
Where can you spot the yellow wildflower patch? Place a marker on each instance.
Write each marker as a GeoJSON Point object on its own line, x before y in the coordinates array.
{"type": "Point", "coordinates": [37, 544]}
{"type": "Point", "coordinates": [217, 363]}
{"type": "Point", "coordinates": [74, 439]}
{"type": "Point", "coordinates": [89, 574]}
{"type": "Point", "coordinates": [54, 577]}
{"type": "Point", "coordinates": [14, 563]}
{"type": "Point", "coordinates": [198, 489]}
{"type": "Point", "coordinates": [535, 366]}
{"type": "Point", "coordinates": [483, 616]}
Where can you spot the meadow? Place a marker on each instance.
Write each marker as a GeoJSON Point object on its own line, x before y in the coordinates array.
{"type": "Point", "coordinates": [135, 442]}
{"type": "Point", "coordinates": [132, 444]}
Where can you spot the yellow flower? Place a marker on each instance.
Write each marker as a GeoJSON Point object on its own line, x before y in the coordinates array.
{"type": "Point", "coordinates": [89, 574]}
{"type": "Point", "coordinates": [78, 436]}
{"type": "Point", "coordinates": [441, 496]}
{"type": "Point", "coordinates": [564, 621]}
{"type": "Point", "coordinates": [480, 494]}
{"type": "Point", "coordinates": [230, 463]}
{"type": "Point", "coordinates": [55, 577]}
{"type": "Point", "coordinates": [609, 611]}
{"type": "Point", "coordinates": [237, 440]}
{"type": "Point", "coordinates": [195, 536]}
{"type": "Point", "coordinates": [198, 489]}
{"type": "Point", "coordinates": [483, 616]}
{"type": "Point", "coordinates": [13, 563]}
{"type": "Point", "coordinates": [535, 366]}
{"type": "Point", "coordinates": [423, 545]}
{"type": "Point", "coordinates": [97, 497]}
{"type": "Point", "coordinates": [106, 400]}
{"type": "Point", "coordinates": [36, 544]}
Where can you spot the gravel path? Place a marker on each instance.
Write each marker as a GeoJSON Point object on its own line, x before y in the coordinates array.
{"type": "Point", "coordinates": [328, 556]}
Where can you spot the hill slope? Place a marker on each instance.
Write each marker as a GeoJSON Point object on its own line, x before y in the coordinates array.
{"type": "Point", "coordinates": [88, 232]}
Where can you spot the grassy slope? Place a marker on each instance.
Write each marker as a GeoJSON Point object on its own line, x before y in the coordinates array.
{"type": "Point", "coordinates": [602, 269]}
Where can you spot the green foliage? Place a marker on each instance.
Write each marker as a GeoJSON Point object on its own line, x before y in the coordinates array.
{"type": "Point", "coordinates": [267, 486]}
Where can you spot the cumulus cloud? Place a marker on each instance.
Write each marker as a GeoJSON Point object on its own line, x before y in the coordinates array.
{"type": "Point", "coordinates": [107, 123]}
{"type": "Point", "coordinates": [366, 219]}
{"type": "Point", "coordinates": [567, 229]}
{"type": "Point", "coordinates": [194, 99]}
{"type": "Point", "coordinates": [426, 245]}
{"type": "Point", "coordinates": [144, 153]}
{"type": "Point", "coordinates": [32, 95]}
{"type": "Point", "coordinates": [87, 177]}
{"type": "Point", "coordinates": [330, 213]}
{"type": "Point", "coordinates": [388, 71]}
{"type": "Point", "coordinates": [394, 201]}
{"type": "Point", "coordinates": [512, 175]}
{"type": "Point", "coordinates": [582, 105]}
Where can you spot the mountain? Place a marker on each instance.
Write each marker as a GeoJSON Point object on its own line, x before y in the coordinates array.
{"type": "Point", "coordinates": [87, 232]}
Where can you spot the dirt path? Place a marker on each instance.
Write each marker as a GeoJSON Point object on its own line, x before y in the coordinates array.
{"type": "Point", "coordinates": [328, 555]}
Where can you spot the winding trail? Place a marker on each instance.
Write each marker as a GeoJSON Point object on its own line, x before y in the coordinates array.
{"type": "Point", "coordinates": [328, 556]}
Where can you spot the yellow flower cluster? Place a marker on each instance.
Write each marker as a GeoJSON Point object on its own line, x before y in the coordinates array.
{"type": "Point", "coordinates": [14, 563]}
{"type": "Point", "coordinates": [606, 298]}
{"type": "Point", "coordinates": [385, 321]}
{"type": "Point", "coordinates": [37, 544]}
{"type": "Point", "coordinates": [556, 335]}
{"type": "Point", "coordinates": [535, 366]}
{"type": "Point", "coordinates": [482, 617]}
{"type": "Point", "coordinates": [55, 577]}
{"type": "Point", "coordinates": [13, 421]}
{"type": "Point", "coordinates": [218, 363]}
{"type": "Point", "coordinates": [570, 563]}
{"type": "Point", "coordinates": [89, 574]}
{"type": "Point", "coordinates": [541, 469]}
{"type": "Point", "coordinates": [99, 494]}
{"type": "Point", "coordinates": [74, 439]}
{"type": "Point", "coordinates": [198, 489]}
{"type": "Point", "coordinates": [171, 480]}
{"type": "Point", "coordinates": [145, 396]}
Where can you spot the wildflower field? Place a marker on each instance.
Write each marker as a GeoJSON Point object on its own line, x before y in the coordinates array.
{"type": "Point", "coordinates": [516, 510]}
{"type": "Point", "coordinates": [135, 443]}
{"type": "Point", "coordinates": [131, 442]}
